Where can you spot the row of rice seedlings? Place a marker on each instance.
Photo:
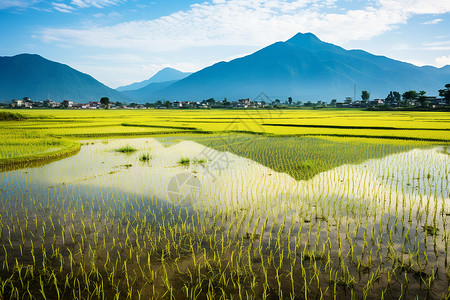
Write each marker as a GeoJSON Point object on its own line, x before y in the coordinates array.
{"type": "Point", "coordinates": [114, 245]}
{"type": "Point", "coordinates": [304, 157]}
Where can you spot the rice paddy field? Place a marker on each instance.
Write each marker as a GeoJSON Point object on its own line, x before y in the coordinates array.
{"type": "Point", "coordinates": [224, 204]}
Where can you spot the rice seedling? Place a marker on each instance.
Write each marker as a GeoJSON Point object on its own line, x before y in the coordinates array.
{"type": "Point", "coordinates": [184, 161]}
{"type": "Point", "coordinates": [364, 220]}
{"type": "Point", "coordinates": [145, 157]}
{"type": "Point", "coordinates": [126, 149]}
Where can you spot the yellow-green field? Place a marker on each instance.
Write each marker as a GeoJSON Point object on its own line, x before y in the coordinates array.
{"type": "Point", "coordinates": [417, 125]}
{"type": "Point", "coordinates": [224, 204]}
{"type": "Point", "coordinates": [47, 131]}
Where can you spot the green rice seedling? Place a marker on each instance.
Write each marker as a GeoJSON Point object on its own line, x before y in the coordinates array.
{"type": "Point", "coordinates": [176, 237]}
{"type": "Point", "coordinates": [184, 161]}
{"type": "Point", "coordinates": [145, 157]}
{"type": "Point", "coordinates": [126, 149]}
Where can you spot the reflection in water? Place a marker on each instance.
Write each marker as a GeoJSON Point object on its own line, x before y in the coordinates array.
{"type": "Point", "coordinates": [351, 223]}
{"type": "Point", "coordinates": [227, 179]}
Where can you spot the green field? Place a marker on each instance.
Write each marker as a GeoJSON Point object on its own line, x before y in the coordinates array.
{"type": "Point", "coordinates": [224, 204]}
{"type": "Point", "coordinates": [57, 130]}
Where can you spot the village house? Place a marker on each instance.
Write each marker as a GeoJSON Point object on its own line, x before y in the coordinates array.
{"type": "Point", "coordinates": [377, 102]}
{"type": "Point", "coordinates": [243, 102]}
{"type": "Point", "coordinates": [50, 103]}
{"type": "Point", "coordinates": [94, 105]}
{"type": "Point", "coordinates": [67, 103]}
{"type": "Point", "coordinates": [16, 103]}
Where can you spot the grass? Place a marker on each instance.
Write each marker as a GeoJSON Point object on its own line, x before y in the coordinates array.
{"type": "Point", "coordinates": [126, 149]}
{"type": "Point", "coordinates": [184, 161]}
{"type": "Point", "coordinates": [25, 148]}
{"type": "Point", "coordinates": [304, 157]}
{"type": "Point", "coordinates": [9, 116]}
{"type": "Point", "coordinates": [187, 161]}
{"type": "Point", "coordinates": [200, 161]}
{"type": "Point", "coordinates": [46, 131]}
{"type": "Point", "coordinates": [145, 157]}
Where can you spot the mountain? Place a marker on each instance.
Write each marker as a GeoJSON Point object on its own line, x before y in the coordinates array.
{"type": "Point", "coordinates": [165, 75]}
{"type": "Point", "coordinates": [142, 95]}
{"type": "Point", "coordinates": [30, 75]}
{"type": "Point", "coordinates": [305, 68]}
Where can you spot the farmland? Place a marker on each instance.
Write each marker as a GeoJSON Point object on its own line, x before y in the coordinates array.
{"type": "Point", "coordinates": [173, 204]}
{"type": "Point", "coordinates": [62, 127]}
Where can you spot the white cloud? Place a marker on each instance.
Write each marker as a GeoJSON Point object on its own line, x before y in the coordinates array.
{"type": "Point", "coordinates": [4, 4]}
{"type": "Point", "coordinates": [443, 61]}
{"type": "Point", "coordinates": [227, 27]}
{"type": "Point", "coordinates": [443, 43]}
{"type": "Point", "coordinates": [419, 7]}
{"type": "Point", "coordinates": [62, 7]}
{"type": "Point", "coordinates": [95, 3]}
{"type": "Point", "coordinates": [249, 23]}
{"type": "Point", "coordinates": [432, 22]}
{"type": "Point", "coordinates": [437, 46]}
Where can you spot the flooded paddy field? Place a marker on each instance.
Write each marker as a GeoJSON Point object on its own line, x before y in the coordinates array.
{"type": "Point", "coordinates": [183, 218]}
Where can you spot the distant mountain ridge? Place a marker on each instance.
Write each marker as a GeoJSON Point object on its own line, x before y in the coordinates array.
{"type": "Point", "coordinates": [31, 75]}
{"type": "Point", "coordinates": [165, 75]}
{"type": "Point", "coordinates": [143, 95]}
{"type": "Point", "coordinates": [305, 68]}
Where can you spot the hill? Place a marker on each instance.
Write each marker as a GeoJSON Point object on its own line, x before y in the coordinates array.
{"type": "Point", "coordinates": [30, 75]}
{"type": "Point", "coordinates": [143, 95]}
{"type": "Point", "coordinates": [165, 75]}
{"type": "Point", "coordinates": [305, 68]}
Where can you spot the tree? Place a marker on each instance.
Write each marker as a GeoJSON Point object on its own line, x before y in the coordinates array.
{"type": "Point", "coordinates": [365, 95]}
{"type": "Point", "coordinates": [397, 96]}
{"type": "Point", "coordinates": [290, 100]}
{"type": "Point", "coordinates": [445, 93]}
{"type": "Point", "coordinates": [118, 104]}
{"type": "Point", "coordinates": [422, 98]}
{"type": "Point", "coordinates": [333, 102]}
{"type": "Point", "coordinates": [348, 100]}
{"type": "Point", "coordinates": [409, 96]}
{"type": "Point", "coordinates": [105, 102]}
{"type": "Point", "coordinates": [393, 97]}
{"type": "Point", "coordinates": [389, 98]}
{"type": "Point", "coordinates": [167, 104]}
{"type": "Point", "coordinates": [211, 102]}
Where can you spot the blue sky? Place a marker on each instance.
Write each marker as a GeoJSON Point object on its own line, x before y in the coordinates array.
{"type": "Point", "coordinates": [124, 41]}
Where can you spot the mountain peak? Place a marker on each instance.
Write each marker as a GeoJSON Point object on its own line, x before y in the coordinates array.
{"type": "Point", "coordinates": [168, 69]}
{"type": "Point", "coordinates": [31, 75]}
{"type": "Point", "coordinates": [305, 39]}
{"type": "Point", "coordinates": [165, 75]}
{"type": "Point", "coordinates": [24, 56]}
{"type": "Point", "coordinates": [305, 68]}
